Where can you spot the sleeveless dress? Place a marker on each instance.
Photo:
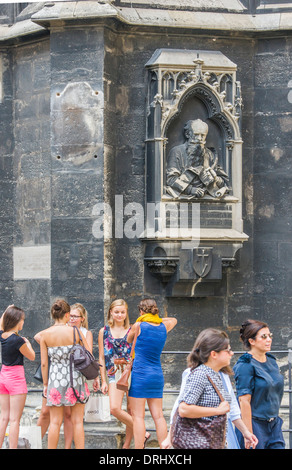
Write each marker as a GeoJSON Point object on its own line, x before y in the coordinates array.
{"type": "Point", "coordinates": [114, 348]}
{"type": "Point", "coordinates": [147, 379]}
{"type": "Point", "coordinates": [60, 392]}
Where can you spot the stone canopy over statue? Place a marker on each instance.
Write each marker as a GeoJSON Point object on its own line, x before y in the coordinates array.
{"type": "Point", "coordinates": [193, 172]}
{"type": "Point", "coordinates": [192, 169]}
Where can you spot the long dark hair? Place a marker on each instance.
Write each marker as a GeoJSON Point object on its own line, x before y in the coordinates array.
{"type": "Point", "coordinates": [11, 317]}
{"type": "Point", "coordinates": [208, 340]}
{"type": "Point", "coordinates": [249, 329]}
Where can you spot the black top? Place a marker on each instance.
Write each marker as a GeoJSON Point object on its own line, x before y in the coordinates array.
{"type": "Point", "coordinates": [11, 356]}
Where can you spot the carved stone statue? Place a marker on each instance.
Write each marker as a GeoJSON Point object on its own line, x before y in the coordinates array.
{"type": "Point", "coordinates": [192, 169]}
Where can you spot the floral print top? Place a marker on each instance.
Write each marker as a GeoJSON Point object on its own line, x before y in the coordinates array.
{"type": "Point", "coordinates": [114, 348]}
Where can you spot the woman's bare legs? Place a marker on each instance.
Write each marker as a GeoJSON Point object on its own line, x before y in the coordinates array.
{"type": "Point", "coordinates": [138, 414]}
{"type": "Point", "coordinates": [155, 407]}
{"type": "Point", "coordinates": [68, 427]}
{"type": "Point", "coordinates": [56, 419]}
{"type": "Point", "coordinates": [4, 416]}
{"type": "Point", "coordinates": [17, 403]}
{"type": "Point", "coordinates": [129, 429]}
{"type": "Point", "coordinates": [116, 400]}
{"type": "Point", "coordinates": [44, 422]}
{"type": "Point", "coordinates": [77, 414]}
{"type": "Point", "coordinates": [44, 418]}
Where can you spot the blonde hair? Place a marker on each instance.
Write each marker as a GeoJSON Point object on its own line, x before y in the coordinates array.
{"type": "Point", "coordinates": [116, 303]}
{"type": "Point", "coordinates": [83, 312]}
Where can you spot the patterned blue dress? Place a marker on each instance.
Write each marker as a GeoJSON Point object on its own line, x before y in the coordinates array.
{"type": "Point", "coordinates": [147, 379]}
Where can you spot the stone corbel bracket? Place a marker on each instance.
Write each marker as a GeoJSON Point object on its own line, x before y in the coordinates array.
{"type": "Point", "coordinates": [191, 268]}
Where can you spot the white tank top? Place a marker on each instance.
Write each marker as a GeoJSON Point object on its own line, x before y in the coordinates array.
{"type": "Point", "coordinates": [83, 330]}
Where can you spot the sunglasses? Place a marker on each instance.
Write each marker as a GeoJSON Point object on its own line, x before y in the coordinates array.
{"type": "Point", "coordinates": [266, 335]}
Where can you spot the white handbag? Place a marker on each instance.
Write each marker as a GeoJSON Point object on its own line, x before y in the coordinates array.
{"type": "Point", "coordinates": [97, 409]}
{"type": "Point", "coordinates": [30, 435]}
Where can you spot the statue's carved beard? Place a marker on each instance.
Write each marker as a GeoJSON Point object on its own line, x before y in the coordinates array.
{"type": "Point", "coordinates": [195, 153]}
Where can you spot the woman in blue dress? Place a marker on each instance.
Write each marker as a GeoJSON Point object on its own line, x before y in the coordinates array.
{"type": "Point", "coordinates": [147, 377]}
{"type": "Point", "coordinates": [259, 386]}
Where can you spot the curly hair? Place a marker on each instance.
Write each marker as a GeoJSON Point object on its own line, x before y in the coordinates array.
{"type": "Point", "coordinates": [148, 306]}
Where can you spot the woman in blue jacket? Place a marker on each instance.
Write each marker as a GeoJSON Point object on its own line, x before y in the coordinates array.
{"type": "Point", "coordinates": [259, 386]}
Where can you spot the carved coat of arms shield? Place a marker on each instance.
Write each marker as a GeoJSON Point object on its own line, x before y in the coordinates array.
{"type": "Point", "coordinates": [202, 261]}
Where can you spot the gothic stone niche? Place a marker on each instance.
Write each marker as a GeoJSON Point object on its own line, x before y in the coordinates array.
{"type": "Point", "coordinates": [194, 166]}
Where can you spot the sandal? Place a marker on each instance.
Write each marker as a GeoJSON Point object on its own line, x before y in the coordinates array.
{"type": "Point", "coordinates": [146, 438]}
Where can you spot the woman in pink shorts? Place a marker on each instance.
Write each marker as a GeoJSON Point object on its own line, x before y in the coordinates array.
{"type": "Point", "coordinates": [13, 389]}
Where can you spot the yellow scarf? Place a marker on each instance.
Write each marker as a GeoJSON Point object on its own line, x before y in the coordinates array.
{"type": "Point", "coordinates": [150, 318]}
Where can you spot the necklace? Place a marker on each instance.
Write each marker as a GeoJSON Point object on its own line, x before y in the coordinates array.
{"type": "Point", "coordinates": [15, 332]}
{"type": "Point", "coordinates": [59, 324]}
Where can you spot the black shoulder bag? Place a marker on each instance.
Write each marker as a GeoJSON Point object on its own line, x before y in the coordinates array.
{"type": "Point", "coordinates": [82, 360]}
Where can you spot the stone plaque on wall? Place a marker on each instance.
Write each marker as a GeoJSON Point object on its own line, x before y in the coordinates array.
{"type": "Point", "coordinates": [32, 262]}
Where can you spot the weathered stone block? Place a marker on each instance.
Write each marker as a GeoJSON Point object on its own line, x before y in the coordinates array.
{"type": "Point", "coordinates": [70, 229]}
{"type": "Point", "coordinates": [74, 194]}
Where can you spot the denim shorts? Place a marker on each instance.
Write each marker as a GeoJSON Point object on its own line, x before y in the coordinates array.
{"type": "Point", "coordinates": [111, 379]}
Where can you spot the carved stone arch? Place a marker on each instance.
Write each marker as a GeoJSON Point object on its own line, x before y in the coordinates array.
{"type": "Point", "coordinates": [226, 87]}
{"type": "Point", "coordinates": [222, 127]}
{"type": "Point", "coordinates": [153, 85]}
{"type": "Point", "coordinates": [213, 104]}
{"type": "Point", "coordinates": [207, 95]}
{"type": "Point", "coordinates": [217, 110]}
{"type": "Point", "coordinates": [168, 84]}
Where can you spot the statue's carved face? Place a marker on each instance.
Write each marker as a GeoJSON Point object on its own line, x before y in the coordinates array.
{"type": "Point", "coordinates": [196, 132]}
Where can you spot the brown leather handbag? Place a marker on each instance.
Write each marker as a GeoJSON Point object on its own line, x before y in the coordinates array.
{"type": "Point", "coordinates": [123, 382]}
{"type": "Point", "coordinates": [119, 365]}
{"type": "Point", "coordinates": [199, 433]}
